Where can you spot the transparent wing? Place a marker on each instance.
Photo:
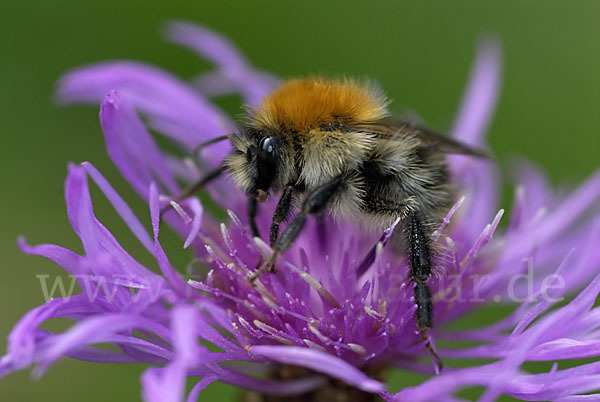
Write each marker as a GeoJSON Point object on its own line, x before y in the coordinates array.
{"type": "Point", "coordinates": [392, 129]}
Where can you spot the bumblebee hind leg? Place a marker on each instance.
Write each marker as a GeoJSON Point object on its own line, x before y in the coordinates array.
{"type": "Point", "coordinates": [420, 265]}
{"type": "Point", "coordinates": [419, 251]}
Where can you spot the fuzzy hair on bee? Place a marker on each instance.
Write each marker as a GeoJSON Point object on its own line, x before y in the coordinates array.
{"type": "Point", "coordinates": [330, 147]}
{"type": "Point", "coordinates": [322, 129]}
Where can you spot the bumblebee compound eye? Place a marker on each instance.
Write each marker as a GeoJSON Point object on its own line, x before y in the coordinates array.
{"type": "Point", "coordinates": [266, 165]}
{"type": "Point", "coordinates": [268, 146]}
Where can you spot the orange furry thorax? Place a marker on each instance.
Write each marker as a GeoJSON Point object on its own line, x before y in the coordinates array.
{"type": "Point", "coordinates": [303, 105]}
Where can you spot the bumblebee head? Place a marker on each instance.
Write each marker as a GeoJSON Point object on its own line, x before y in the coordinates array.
{"type": "Point", "coordinates": [258, 163]}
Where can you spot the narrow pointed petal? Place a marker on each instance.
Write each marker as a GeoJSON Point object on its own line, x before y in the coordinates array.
{"type": "Point", "coordinates": [200, 385]}
{"type": "Point", "coordinates": [171, 107]}
{"type": "Point", "coordinates": [120, 206]}
{"type": "Point", "coordinates": [168, 383]}
{"type": "Point", "coordinates": [22, 339]}
{"type": "Point", "coordinates": [234, 69]}
{"type": "Point", "coordinates": [131, 147]}
{"type": "Point", "coordinates": [320, 362]}
{"type": "Point", "coordinates": [481, 96]}
{"type": "Point", "coordinates": [68, 260]}
{"type": "Point", "coordinates": [167, 269]}
{"type": "Point", "coordinates": [93, 330]}
{"type": "Point", "coordinates": [197, 212]}
{"type": "Point", "coordinates": [97, 241]}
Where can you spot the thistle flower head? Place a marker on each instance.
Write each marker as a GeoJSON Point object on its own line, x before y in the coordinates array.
{"type": "Point", "coordinates": [323, 316]}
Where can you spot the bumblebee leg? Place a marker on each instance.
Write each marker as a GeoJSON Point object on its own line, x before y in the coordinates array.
{"type": "Point", "coordinates": [214, 140]}
{"type": "Point", "coordinates": [420, 264]}
{"type": "Point", "coordinates": [281, 212]}
{"type": "Point", "coordinates": [194, 188]}
{"type": "Point", "coordinates": [315, 202]}
{"type": "Point", "coordinates": [252, 211]}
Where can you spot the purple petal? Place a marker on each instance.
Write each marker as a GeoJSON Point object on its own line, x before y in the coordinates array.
{"type": "Point", "coordinates": [28, 344]}
{"type": "Point", "coordinates": [321, 362]}
{"type": "Point", "coordinates": [164, 385]}
{"type": "Point", "coordinates": [479, 178]}
{"type": "Point", "coordinates": [97, 241]}
{"type": "Point", "coordinates": [481, 198]}
{"type": "Point", "coordinates": [197, 210]}
{"type": "Point", "coordinates": [252, 85]}
{"type": "Point", "coordinates": [21, 341]}
{"type": "Point", "coordinates": [183, 328]}
{"type": "Point", "coordinates": [208, 43]}
{"type": "Point", "coordinates": [93, 330]}
{"type": "Point", "coordinates": [168, 383]}
{"type": "Point", "coordinates": [200, 385]}
{"type": "Point", "coordinates": [447, 218]}
{"type": "Point", "coordinates": [481, 96]}
{"type": "Point", "coordinates": [440, 386]}
{"type": "Point", "coordinates": [171, 107]}
{"type": "Point", "coordinates": [132, 350]}
{"type": "Point", "coordinates": [370, 257]}
{"type": "Point", "coordinates": [556, 223]}
{"type": "Point", "coordinates": [536, 387]}
{"type": "Point", "coordinates": [165, 266]}
{"type": "Point", "coordinates": [283, 388]}
{"type": "Point", "coordinates": [235, 71]}
{"type": "Point", "coordinates": [535, 189]}
{"type": "Point", "coordinates": [67, 259]}
{"type": "Point", "coordinates": [133, 223]}
{"type": "Point", "coordinates": [93, 354]}
{"type": "Point", "coordinates": [138, 157]}
{"type": "Point", "coordinates": [131, 146]}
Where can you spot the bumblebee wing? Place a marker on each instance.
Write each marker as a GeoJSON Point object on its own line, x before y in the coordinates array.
{"type": "Point", "coordinates": [391, 129]}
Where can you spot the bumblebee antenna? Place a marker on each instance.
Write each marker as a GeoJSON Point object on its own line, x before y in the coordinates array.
{"type": "Point", "coordinates": [206, 143]}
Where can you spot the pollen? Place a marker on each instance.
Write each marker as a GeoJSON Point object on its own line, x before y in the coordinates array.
{"type": "Point", "coordinates": [307, 104]}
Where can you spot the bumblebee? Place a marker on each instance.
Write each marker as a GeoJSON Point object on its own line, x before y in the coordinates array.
{"type": "Point", "coordinates": [331, 147]}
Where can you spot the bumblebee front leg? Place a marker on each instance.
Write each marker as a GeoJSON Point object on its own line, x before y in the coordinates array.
{"type": "Point", "coordinates": [252, 211]}
{"type": "Point", "coordinates": [281, 212]}
{"type": "Point", "coordinates": [315, 202]}
{"type": "Point", "coordinates": [420, 264]}
{"type": "Point", "coordinates": [194, 188]}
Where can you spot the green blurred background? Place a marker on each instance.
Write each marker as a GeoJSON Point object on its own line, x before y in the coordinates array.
{"type": "Point", "coordinates": [420, 53]}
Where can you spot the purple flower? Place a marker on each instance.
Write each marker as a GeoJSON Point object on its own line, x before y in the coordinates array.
{"type": "Point", "coordinates": [315, 317]}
